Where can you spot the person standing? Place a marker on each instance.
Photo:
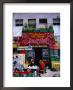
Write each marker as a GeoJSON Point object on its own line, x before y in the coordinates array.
{"type": "Point", "coordinates": [41, 66]}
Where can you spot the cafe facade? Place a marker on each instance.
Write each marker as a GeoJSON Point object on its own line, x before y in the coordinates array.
{"type": "Point", "coordinates": [38, 43]}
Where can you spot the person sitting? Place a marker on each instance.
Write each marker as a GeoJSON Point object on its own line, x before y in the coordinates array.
{"type": "Point", "coordinates": [32, 63]}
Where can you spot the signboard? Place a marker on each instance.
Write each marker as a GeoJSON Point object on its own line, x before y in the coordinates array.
{"type": "Point", "coordinates": [25, 48]}
{"type": "Point", "coordinates": [38, 35]}
{"type": "Point", "coordinates": [39, 45]}
{"type": "Point", "coordinates": [28, 47]}
{"type": "Point", "coordinates": [36, 38]}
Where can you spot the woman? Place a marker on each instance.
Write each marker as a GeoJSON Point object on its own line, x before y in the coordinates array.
{"type": "Point", "coordinates": [42, 66]}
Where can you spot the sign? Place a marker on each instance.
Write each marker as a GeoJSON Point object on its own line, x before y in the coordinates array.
{"type": "Point", "coordinates": [28, 47]}
{"type": "Point", "coordinates": [36, 38]}
{"type": "Point", "coordinates": [25, 48]}
{"type": "Point", "coordinates": [39, 45]}
{"type": "Point", "coordinates": [38, 35]}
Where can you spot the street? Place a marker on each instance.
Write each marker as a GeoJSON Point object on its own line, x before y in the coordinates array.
{"type": "Point", "coordinates": [50, 73]}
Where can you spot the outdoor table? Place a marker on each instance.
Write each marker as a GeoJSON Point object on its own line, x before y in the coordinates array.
{"type": "Point", "coordinates": [34, 69]}
{"type": "Point", "coordinates": [33, 74]}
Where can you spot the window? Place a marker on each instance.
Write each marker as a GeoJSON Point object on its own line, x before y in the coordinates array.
{"type": "Point", "coordinates": [45, 52]}
{"type": "Point", "coordinates": [43, 21]}
{"type": "Point", "coordinates": [15, 39]}
{"type": "Point", "coordinates": [56, 21]}
{"type": "Point", "coordinates": [32, 23]}
{"type": "Point", "coordinates": [54, 53]}
{"type": "Point", "coordinates": [19, 22]}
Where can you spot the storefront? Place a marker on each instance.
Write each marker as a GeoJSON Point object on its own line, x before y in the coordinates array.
{"type": "Point", "coordinates": [34, 44]}
{"type": "Point", "coordinates": [37, 45]}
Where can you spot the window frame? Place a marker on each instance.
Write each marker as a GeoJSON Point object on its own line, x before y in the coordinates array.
{"type": "Point", "coordinates": [43, 19]}
{"type": "Point", "coordinates": [18, 24]}
{"type": "Point", "coordinates": [32, 24]}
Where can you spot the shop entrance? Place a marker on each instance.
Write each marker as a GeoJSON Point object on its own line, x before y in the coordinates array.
{"type": "Point", "coordinates": [38, 55]}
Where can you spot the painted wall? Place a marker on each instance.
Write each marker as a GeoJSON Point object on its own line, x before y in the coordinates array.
{"type": "Point", "coordinates": [17, 30]}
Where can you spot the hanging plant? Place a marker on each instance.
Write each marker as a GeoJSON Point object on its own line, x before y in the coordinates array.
{"type": "Point", "coordinates": [50, 29]}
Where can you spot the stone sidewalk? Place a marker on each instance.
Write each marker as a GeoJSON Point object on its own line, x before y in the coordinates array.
{"type": "Point", "coordinates": [50, 73]}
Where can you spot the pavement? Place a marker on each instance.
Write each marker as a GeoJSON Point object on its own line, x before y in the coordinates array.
{"type": "Point", "coordinates": [50, 73]}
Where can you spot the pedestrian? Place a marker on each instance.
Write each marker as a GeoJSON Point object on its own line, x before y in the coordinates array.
{"type": "Point", "coordinates": [41, 66]}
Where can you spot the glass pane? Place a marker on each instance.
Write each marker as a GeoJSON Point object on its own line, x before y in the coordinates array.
{"type": "Point", "coordinates": [19, 22]}
{"type": "Point", "coordinates": [45, 52]}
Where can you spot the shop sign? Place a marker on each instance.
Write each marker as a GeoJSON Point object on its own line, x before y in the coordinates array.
{"type": "Point", "coordinates": [36, 38]}
{"type": "Point", "coordinates": [39, 45]}
{"type": "Point", "coordinates": [28, 47]}
{"type": "Point", "coordinates": [40, 35]}
{"type": "Point", "coordinates": [25, 48]}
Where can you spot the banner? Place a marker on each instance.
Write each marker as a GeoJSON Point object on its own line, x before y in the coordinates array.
{"type": "Point", "coordinates": [37, 38]}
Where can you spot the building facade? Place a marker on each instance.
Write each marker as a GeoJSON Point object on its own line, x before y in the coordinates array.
{"type": "Point", "coordinates": [38, 34]}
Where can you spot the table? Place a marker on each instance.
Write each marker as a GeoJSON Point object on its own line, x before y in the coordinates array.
{"type": "Point", "coordinates": [33, 67]}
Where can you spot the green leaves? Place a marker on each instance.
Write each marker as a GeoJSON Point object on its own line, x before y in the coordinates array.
{"type": "Point", "coordinates": [28, 30]}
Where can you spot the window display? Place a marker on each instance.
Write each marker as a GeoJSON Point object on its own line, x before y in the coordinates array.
{"type": "Point", "coordinates": [45, 52]}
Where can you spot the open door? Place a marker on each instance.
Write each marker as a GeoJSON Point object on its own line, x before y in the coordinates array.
{"type": "Point", "coordinates": [38, 55]}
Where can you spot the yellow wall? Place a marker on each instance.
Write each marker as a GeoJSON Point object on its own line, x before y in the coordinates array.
{"type": "Point", "coordinates": [56, 65]}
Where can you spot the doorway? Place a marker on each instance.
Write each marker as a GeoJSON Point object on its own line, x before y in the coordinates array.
{"type": "Point", "coordinates": [38, 55]}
